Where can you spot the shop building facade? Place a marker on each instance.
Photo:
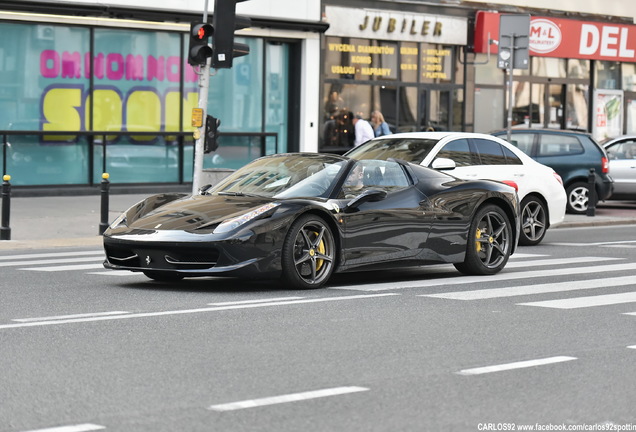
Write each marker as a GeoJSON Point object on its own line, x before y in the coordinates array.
{"type": "Point", "coordinates": [106, 87]}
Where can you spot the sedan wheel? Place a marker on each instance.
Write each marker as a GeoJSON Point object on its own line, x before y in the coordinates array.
{"type": "Point", "coordinates": [534, 221]}
{"type": "Point", "coordinates": [308, 255]}
{"type": "Point", "coordinates": [578, 198]}
{"type": "Point", "coordinates": [489, 242]}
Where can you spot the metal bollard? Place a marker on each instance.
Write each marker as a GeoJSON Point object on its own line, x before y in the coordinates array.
{"type": "Point", "coordinates": [103, 224]}
{"type": "Point", "coordinates": [5, 228]}
{"type": "Point", "coordinates": [591, 195]}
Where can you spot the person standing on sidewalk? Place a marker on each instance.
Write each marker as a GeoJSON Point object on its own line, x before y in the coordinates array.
{"type": "Point", "coordinates": [362, 130]}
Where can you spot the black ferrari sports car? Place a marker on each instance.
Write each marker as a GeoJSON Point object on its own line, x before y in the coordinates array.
{"type": "Point", "coordinates": [304, 216]}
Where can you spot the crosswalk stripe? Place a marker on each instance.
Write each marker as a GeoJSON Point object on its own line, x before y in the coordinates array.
{"type": "Point", "coordinates": [66, 268]}
{"type": "Point", "coordinates": [535, 289]}
{"type": "Point", "coordinates": [499, 277]}
{"type": "Point", "coordinates": [115, 273]}
{"type": "Point", "coordinates": [557, 261]}
{"type": "Point", "coordinates": [582, 302]}
{"type": "Point", "coordinates": [50, 261]}
{"type": "Point", "coordinates": [49, 255]}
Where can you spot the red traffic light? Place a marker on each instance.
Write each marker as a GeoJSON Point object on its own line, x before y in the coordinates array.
{"type": "Point", "coordinates": [199, 50]}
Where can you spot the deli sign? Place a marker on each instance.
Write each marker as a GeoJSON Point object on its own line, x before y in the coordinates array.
{"type": "Point", "coordinates": [565, 38]}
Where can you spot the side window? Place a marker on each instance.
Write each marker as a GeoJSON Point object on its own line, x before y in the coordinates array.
{"type": "Point", "coordinates": [459, 151]}
{"type": "Point", "coordinates": [490, 152]}
{"type": "Point", "coordinates": [523, 141]}
{"type": "Point", "coordinates": [374, 174]}
{"type": "Point", "coordinates": [623, 150]}
{"type": "Point", "coordinates": [511, 158]}
{"type": "Point", "coordinates": [559, 145]}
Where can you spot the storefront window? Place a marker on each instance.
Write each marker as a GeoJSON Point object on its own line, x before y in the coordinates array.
{"type": "Point", "coordinates": [577, 106]}
{"type": "Point", "coordinates": [437, 63]}
{"type": "Point", "coordinates": [548, 67]}
{"type": "Point", "coordinates": [629, 77]}
{"type": "Point", "coordinates": [409, 56]}
{"type": "Point", "coordinates": [408, 110]}
{"type": "Point", "coordinates": [607, 75]}
{"type": "Point", "coordinates": [43, 84]}
{"type": "Point", "coordinates": [579, 69]}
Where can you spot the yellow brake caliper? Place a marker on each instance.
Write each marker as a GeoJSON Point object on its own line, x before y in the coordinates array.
{"type": "Point", "coordinates": [321, 250]}
{"type": "Point", "coordinates": [477, 243]}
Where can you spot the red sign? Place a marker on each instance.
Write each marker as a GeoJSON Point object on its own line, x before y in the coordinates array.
{"type": "Point", "coordinates": [565, 38]}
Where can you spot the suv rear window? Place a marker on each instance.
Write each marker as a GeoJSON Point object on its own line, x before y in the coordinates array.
{"type": "Point", "coordinates": [559, 145]}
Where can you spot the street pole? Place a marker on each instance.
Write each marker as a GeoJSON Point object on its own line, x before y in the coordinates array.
{"type": "Point", "coordinates": [510, 82]}
{"type": "Point", "coordinates": [199, 134]}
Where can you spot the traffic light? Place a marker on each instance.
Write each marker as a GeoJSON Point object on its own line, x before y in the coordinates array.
{"type": "Point", "coordinates": [199, 50]}
{"type": "Point", "coordinates": [210, 140]}
{"type": "Point", "coordinates": [225, 22]}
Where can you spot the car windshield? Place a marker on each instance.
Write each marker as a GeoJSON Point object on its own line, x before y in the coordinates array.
{"type": "Point", "coordinates": [409, 149]}
{"type": "Point", "coordinates": [283, 176]}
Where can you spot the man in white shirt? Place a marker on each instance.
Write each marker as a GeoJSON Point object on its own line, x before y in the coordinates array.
{"type": "Point", "coordinates": [362, 130]}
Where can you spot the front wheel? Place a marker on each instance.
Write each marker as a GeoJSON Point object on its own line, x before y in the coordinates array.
{"type": "Point", "coordinates": [578, 198]}
{"type": "Point", "coordinates": [489, 242]}
{"type": "Point", "coordinates": [309, 251]}
{"type": "Point", "coordinates": [534, 221]}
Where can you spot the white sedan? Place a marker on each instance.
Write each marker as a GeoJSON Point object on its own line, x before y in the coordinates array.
{"type": "Point", "coordinates": [478, 156]}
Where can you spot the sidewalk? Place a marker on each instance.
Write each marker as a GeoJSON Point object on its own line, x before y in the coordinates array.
{"type": "Point", "coordinates": [62, 221]}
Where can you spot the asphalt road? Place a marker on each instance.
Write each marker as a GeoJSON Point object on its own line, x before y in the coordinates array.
{"type": "Point", "coordinates": [549, 341]}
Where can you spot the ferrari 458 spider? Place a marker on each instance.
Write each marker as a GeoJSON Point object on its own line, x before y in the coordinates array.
{"type": "Point", "coordinates": [302, 217]}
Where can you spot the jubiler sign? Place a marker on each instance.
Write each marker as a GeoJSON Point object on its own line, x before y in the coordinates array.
{"type": "Point", "coordinates": [566, 38]}
{"type": "Point", "coordinates": [396, 26]}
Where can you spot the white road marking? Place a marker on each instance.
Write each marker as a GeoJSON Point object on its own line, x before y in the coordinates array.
{"type": "Point", "coordinates": [50, 261]}
{"type": "Point", "coordinates": [504, 276]}
{"type": "Point", "coordinates": [73, 428]}
{"type": "Point", "coordinates": [294, 397]}
{"type": "Point", "coordinates": [116, 273]}
{"type": "Point", "coordinates": [50, 255]}
{"type": "Point", "coordinates": [61, 317]}
{"type": "Point", "coordinates": [534, 289]}
{"type": "Point", "coordinates": [515, 365]}
{"type": "Point", "coordinates": [254, 301]}
{"type": "Point", "coordinates": [590, 301]}
{"type": "Point", "coordinates": [522, 256]}
{"type": "Point", "coordinates": [190, 311]}
{"type": "Point", "coordinates": [632, 347]}
{"type": "Point", "coordinates": [595, 244]}
{"type": "Point", "coordinates": [66, 268]}
{"type": "Point", "coordinates": [556, 261]}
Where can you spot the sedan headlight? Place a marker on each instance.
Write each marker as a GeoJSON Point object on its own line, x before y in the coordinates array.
{"type": "Point", "coordinates": [231, 224]}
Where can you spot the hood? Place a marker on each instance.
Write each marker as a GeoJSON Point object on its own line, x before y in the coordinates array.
{"type": "Point", "coordinates": [197, 211]}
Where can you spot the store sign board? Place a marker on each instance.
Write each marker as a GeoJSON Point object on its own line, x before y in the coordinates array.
{"type": "Point", "coordinates": [395, 26]}
{"type": "Point", "coordinates": [565, 38]}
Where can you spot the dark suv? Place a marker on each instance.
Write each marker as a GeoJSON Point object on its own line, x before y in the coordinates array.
{"type": "Point", "coordinates": [571, 154]}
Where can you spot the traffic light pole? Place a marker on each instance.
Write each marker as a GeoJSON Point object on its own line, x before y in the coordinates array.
{"type": "Point", "coordinates": [204, 85]}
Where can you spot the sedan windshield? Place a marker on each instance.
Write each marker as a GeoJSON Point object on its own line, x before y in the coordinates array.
{"type": "Point", "coordinates": [284, 176]}
{"type": "Point", "coordinates": [409, 149]}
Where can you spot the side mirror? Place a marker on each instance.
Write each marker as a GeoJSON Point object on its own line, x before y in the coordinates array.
{"type": "Point", "coordinates": [443, 164]}
{"type": "Point", "coordinates": [203, 189]}
{"type": "Point", "coordinates": [370, 195]}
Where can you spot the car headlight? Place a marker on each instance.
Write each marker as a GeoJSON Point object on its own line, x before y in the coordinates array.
{"type": "Point", "coordinates": [230, 224]}
{"type": "Point", "coordinates": [121, 220]}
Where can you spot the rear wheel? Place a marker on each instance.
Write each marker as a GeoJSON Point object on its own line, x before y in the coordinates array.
{"type": "Point", "coordinates": [489, 242]}
{"type": "Point", "coordinates": [534, 221]}
{"type": "Point", "coordinates": [578, 198]}
{"type": "Point", "coordinates": [309, 252]}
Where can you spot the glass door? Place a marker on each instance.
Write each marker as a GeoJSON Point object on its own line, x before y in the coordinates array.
{"type": "Point", "coordinates": [435, 109]}
{"type": "Point", "coordinates": [276, 96]}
